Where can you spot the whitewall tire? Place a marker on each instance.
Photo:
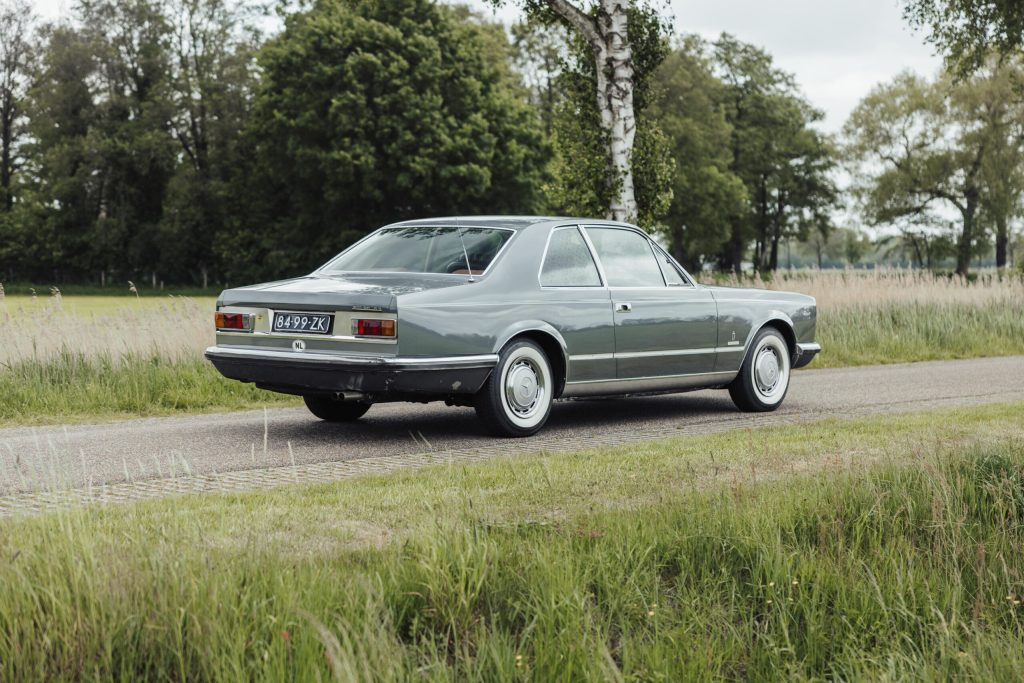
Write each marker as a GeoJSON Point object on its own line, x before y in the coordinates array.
{"type": "Point", "coordinates": [763, 379]}
{"type": "Point", "coordinates": [516, 399]}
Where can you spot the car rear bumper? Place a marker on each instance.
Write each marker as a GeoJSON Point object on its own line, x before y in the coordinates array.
{"type": "Point", "coordinates": [805, 353]}
{"type": "Point", "coordinates": [376, 377]}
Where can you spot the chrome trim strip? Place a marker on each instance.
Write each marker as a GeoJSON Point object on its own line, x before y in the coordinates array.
{"type": "Point", "coordinates": [672, 352]}
{"type": "Point", "coordinates": [592, 356]}
{"type": "Point", "coordinates": [389, 341]}
{"type": "Point", "coordinates": [387, 362]}
{"type": "Point", "coordinates": [808, 347]}
{"type": "Point", "coordinates": [648, 354]}
{"type": "Point", "coordinates": [655, 377]}
{"type": "Point", "coordinates": [639, 385]}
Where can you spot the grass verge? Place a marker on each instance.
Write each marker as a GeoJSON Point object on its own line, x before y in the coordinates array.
{"type": "Point", "coordinates": [880, 548]}
{"type": "Point", "coordinates": [871, 333]}
{"type": "Point", "coordinates": [73, 388]}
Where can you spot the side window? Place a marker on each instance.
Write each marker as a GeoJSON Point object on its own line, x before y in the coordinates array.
{"type": "Point", "coordinates": [627, 258]}
{"type": "Point", "coordinates": [568, 262]}
{"type": "Point", "coordinates": [672, 275]}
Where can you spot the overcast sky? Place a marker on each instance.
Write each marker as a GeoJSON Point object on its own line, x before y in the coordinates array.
{"type": "Point", "coordinates": [838, 49]}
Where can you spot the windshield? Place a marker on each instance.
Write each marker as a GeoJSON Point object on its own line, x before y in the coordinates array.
{"type": "Point", "coordinates": [423, 250]}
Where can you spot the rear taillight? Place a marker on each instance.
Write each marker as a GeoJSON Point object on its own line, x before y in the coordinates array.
{"type": "Point", "coordinates": [232, 321]}
{"type": "Point", "coordinates": [373, 328]}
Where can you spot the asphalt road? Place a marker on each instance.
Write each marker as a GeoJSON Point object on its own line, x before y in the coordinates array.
{"type": "Point", "coordinates": [139, 451]}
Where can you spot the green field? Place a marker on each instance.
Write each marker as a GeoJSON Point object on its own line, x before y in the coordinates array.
{"type": "Point", "coordinates": [886, 548]}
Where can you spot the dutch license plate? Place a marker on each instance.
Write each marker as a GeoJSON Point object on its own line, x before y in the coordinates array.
{"type": "Point", "coordinates": [307, 323]}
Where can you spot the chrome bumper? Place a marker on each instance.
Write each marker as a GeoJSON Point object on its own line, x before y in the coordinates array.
{"type": "Point", "coordinates": [301, 372]}
{"type": "Point", "coordinates": [805, 353]}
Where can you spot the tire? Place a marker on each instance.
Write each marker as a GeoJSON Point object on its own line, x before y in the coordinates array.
{"type": "Point", "coordinates": [335, 411]}
{"type": "Point", "coordinates": [764, 376]}
{"type": "Point", "coordinates": [516, 399]}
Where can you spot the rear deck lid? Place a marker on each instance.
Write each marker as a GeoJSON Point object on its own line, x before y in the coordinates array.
{"type": "Point", "coordinates": [354, 291]}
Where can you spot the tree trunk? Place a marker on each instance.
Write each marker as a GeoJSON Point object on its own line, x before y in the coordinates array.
{"type": "Point", "coordinates": [6, 155]}
{"type": "Point", "coordinates": [963, 247]}
{"type": "Point", "coordinates": [773, 263]}
{"type": "Point", "coordinates": [608, 38]}
{"type": "Point", "coordinates": [615, 103]}
{"type": "Point", "coordinates": [1002, 239]}
{"type": "Point", "coordinates": [735, 248]}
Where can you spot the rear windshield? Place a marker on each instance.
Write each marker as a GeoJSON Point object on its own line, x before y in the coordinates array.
{"type": "Point", "coordinates": [423, 250]}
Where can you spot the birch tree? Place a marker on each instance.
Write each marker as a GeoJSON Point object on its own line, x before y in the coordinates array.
{"type": "Point", "coordinates": [605, 28]}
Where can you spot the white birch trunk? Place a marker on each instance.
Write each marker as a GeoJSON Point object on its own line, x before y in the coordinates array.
{"type": "Point", "coordinates": [608, 38]}
{"type": "Point", "coordinates": [615, 102]}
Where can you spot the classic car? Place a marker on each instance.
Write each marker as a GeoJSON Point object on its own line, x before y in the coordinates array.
{"type": "Point", "coordinates": [508, 314]}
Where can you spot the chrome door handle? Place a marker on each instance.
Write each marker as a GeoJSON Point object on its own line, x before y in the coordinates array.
{"type": "Point", "coordinates": [623, 307]}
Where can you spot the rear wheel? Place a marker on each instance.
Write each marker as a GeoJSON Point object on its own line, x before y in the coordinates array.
{"type": "Point", "coordinates": [764, 376]}
{"type": "Point", "coordinates": [335, 411]}
{"type": "Point", "coordinates": [516, 399]}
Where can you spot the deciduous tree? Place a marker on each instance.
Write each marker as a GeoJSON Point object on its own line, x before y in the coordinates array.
{"type": "Point", "coordinates": [16, 56]}
{"type": "Point", "coordinates": [919, 145]}
{"type": "Point", "coordinates": [369, 112]}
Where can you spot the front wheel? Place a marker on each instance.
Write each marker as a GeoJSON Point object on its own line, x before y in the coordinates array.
{"type": "Point", "coordinates": [764, 376]}
{"type": "Point", "coordinates": [335, 411]}
{"type": "Point", "coordinates": [516, 399]}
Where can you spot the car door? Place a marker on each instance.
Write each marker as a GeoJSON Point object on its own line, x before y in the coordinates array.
{"type": "Point", "coordinates": [664, 325]}
{"type": "Point", "coordinates": [578, 305]}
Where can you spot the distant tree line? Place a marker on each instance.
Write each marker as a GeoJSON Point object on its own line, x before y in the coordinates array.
{"type": "Point", "coordinates": [174, 141]}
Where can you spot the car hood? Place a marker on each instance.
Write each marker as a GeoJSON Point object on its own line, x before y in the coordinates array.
{"type": "Point", "coordinates": [337, 292]}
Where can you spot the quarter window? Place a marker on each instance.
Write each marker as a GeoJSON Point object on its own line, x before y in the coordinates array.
{"type": "Point", "coordinates": [568, 262]}
{"type": "Point", "coordinates": [627, 258]}
{"type": "Point", "coordinates": [672, 275]}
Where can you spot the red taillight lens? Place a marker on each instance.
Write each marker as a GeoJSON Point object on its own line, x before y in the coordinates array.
{"type": "Point", "coordinates": [373, 328]}
{"type": "Point", "coordinates": [231, 321]}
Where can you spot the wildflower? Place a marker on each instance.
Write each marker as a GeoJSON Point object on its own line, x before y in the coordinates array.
{"type": "Point", "coordinates": [771, 584]}
{"type": "Point", "coordinates": [769, 602]}
{"type": "Point", "coordinates": [795, 582]}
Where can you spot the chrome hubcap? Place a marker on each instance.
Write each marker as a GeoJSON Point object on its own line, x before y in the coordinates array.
{"type": "Point", "coordinates": [524, 387]}
{"type": "Point", "coordinates": [766, 370]}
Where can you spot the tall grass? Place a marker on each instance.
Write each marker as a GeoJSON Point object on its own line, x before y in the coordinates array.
{"type": "Point", "coordinates": [61, 361]}
{"type": "Point", "coordinates": [910, 568]}
{"type": "Point", "coordinates": [838, 289]}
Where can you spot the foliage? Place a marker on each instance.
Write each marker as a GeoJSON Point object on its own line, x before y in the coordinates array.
{"type": "Point", "coordinates": [17, 56]}
{"type": "Point", "coordinates": [773, 558]}
{"type": "Point", "coordinates": [917, 145]}
{"type": "Point", "coordinates": [584, 182]}
{"type": "Point", "coordinates": [784, 163]}
{"type": "Point", "coordinates": [372, 112]}
{"type": "Point", "coordinates": [706, 195]}
{"type": "Point", "coordinates": [969, 31]}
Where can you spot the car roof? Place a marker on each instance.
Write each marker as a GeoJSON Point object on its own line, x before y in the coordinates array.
{"type": "Point", "coordinates": [507, 222]}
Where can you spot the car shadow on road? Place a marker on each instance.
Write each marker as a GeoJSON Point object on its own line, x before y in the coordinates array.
{"type": "Point", "coordinates": [441, 426]}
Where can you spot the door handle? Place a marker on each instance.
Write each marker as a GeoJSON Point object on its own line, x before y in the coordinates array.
{"type": "Point", "coordinates": [623, 307]}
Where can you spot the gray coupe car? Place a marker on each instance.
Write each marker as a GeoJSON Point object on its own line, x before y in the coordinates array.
{"type": "Point", "coordinates": [507, 314]}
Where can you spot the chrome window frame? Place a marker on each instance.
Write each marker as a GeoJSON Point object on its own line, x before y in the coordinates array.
{"type": "Point", "coordinates": [590, 249]}
{"type": "Point", "coordinates": [687, 280]}
{"type": "Point", "coordinates": [490, 266]}
{"type": "Point", "coordinates": [650, 245]}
